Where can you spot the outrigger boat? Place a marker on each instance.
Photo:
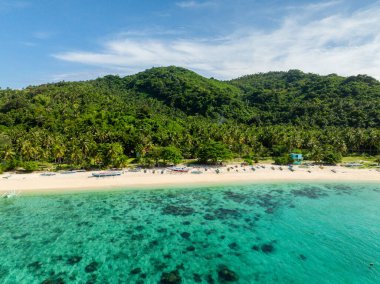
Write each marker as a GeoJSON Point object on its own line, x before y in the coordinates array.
{"type": "Point", "coordinates": [106, 174]}
{"type": "Point", "coordinates": [10, 194]}
{"type": "Point", "coordinates": [179, 169]}
{"type": "Point", "coordinates": [68, 172]}
{"type": "Point", "coordinates": [47, 174]}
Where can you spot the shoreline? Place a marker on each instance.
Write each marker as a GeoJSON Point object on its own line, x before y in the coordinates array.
{"type": "Point", "coordinates": [84, 182]}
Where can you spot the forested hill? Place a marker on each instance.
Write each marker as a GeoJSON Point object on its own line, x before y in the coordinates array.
{"type": "Point", "coordinates": [262, 99]}
{"type": "Point", "coordinates": [94, 122]}
{"type": "Point", "coordinates": [310, 99]}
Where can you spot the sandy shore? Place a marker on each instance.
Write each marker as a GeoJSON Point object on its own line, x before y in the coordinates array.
{"type": "Point", "coordinates": [82, 181]}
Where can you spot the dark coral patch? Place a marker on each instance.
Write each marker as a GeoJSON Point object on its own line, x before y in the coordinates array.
{"type": "Point", "coordinates": [185, 235]}
{"type": "Point", "coordinates": [209, 279]}
{"type": "Point", "coordinates": [226, 275]}
{"type": "Point", "coordinates": [172, 277]}
{"type": "Point", "coordinates": [139, 228]}
{"type": "Point", "coordinates": [92, 267]}
{"type": "Point", "coordinates": [233, 246]}
{"type": "Point", "coordinates": [267, 248]}
{"type": "Point", "coordinates": [190, 248]}
{"type": "Point", "coordinates": [234, 196]}
{"type": "Point", "coordinates": [302, 257]}
{"type": "Point", "coordinates": [255, 248]}
{"type": "Point", "coordinates": [135, 271]}
{"type": "Point", "coordinates": [309, 192]}
{"type": "Point", "coordinates": [223, 213]}
{"type": "Point", "coordinates": [138, 237]}
{"type": "Point", "coordinates": [58, 280]}
{"type": "Point", "coordinates": [35, 265]}
{"type": "Point", "coordinates": [73, 259]}
{"type": "Point", "coordinates": [178, 210]}
{"type": "Point", "coordinates": [209, 217]}
{"type": "Point", "coordinates": [197, 278]}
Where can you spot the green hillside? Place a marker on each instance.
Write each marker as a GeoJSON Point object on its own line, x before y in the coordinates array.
{"type": "Point", "coordinates": [164, 112]}
{"type": "Point", "coordinates": [312, 100]}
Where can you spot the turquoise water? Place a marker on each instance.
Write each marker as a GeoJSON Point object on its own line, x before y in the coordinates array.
{"type": "Point", "coordinates": [264, 233]}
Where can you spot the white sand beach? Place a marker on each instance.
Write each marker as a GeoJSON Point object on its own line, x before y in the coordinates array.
{"type": "Point", "coordinates": [83, 181]}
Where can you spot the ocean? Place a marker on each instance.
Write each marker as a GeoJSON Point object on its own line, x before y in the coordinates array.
{"type": "Point", "coordinates": [259, 233]}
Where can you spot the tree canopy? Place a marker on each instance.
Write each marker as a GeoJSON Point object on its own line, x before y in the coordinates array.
{"type": "Point", "coordinates": [176, 112]}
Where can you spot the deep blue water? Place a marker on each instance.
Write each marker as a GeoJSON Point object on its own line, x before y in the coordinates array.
{"type": "Point", "coordinates": [263, 233]}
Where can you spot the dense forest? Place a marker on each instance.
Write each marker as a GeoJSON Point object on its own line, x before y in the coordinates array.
{"type": "Point", "coordinates": [163, 115]}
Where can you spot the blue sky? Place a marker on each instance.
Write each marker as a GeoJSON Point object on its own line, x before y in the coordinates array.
{"type": "Point", "coordinates": [49, 40]}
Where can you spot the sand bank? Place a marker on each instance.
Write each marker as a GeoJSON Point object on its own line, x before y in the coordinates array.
{"type": "Point", "coordinates": [82, 181]}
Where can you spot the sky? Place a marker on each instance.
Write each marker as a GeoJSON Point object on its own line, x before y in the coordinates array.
{"type": "Point", "coordinates": [69, 40]}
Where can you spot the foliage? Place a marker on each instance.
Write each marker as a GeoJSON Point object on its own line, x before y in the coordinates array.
{"type": "Point", "coordinates": [285, 159]}
{"type": "Point", "coordinates": [213, 153]}
{"type": "Point", "coordinates": [30, 166]}
{"type": "Point", "coordinates": [279, 150]}
{"type": "Point", "coordinates": [162, 114]}
{"type": "Point", "coordinates": [377, 160]}
{"type": "Point", "coordinates": [171, 154]}
{"type": "Point", "coordinates": [331, 157]}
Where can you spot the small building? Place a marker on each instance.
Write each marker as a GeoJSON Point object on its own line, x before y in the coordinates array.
{"type": "Point", "coordinates": [297, 158]}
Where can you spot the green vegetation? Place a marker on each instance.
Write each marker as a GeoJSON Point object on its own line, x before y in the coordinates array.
{"type": "Point", "coordinates": [213, 152]}
{"type": "Point", "coordinates": [285, 159]}
{"type": "Point", "coordinates": [164, 115]}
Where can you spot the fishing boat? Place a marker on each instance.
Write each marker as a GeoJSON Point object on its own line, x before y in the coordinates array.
{"type": "Point", "coordinates": [68, 172]}
{"type": "Point", "coordinates": [349, 165]}
{"type": "Point", "coordinates": [134, 170]}
{"type": "Point", "coordinates": [179, 169]}
{"type": "Point", "coordinates": [47, 174]}
{"type": "Point", "coordinates": [9, 194]}
{"type": "Point", "coordinates": [106, 174]}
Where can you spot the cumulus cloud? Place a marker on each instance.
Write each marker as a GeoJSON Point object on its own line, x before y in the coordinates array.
{"type": "Point", "coordinates": [336, 43]}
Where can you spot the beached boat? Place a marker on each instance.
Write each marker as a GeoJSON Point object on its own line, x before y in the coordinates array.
{"type": "Point", "coordinates": [353, 165]}
{"type": "Point", "coordinates": [9, 194]}
{"type": "Point", "coordinates": [134, 170]}
{"type": "Point", "coordinates": [196, 172]}
{"type": "Point", "coordinates": [47, 174]}
{"type": "Point", "coordinates": [106, 174]}
{"type": "Point", "coordinates": [68, 172]}
{"type": "Point", "coordinates": [179, 169]}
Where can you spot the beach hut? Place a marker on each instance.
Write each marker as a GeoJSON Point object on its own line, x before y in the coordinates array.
{"type": "Point", "coordinates": [297, 158]}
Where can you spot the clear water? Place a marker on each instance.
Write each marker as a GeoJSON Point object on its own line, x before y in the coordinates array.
{"type": "Point", "coordinates": [264, 233]}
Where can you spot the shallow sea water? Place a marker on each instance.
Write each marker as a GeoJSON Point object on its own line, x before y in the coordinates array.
{"type": "Point", "coordinates": [262, 233]}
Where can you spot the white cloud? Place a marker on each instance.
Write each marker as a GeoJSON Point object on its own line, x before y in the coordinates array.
{"type": "Point", "coordinates": [346, 44]}
{"type": "Point", "coordinates": [195, 4]}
